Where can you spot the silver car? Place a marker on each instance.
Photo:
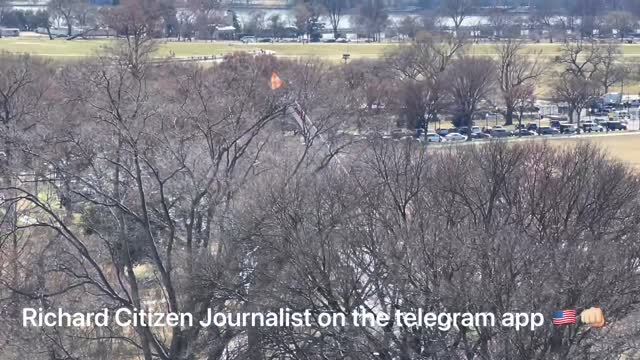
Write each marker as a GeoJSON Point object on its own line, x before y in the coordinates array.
{"type": "Point", "coordinates": [433, 137]}
{"type": "Point", "coordinates": [455, 137]}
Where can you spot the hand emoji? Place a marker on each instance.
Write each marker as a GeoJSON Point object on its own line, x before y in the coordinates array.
{"type": "Point", "coordinates": [593, 317]}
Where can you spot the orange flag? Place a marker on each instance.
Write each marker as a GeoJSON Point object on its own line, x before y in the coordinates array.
{"type": "Point", "coordinates": [276, 83]}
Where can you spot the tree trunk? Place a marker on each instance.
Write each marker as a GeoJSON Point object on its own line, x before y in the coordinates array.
{"type": "Point", "coordinates": [126, 257]}
{"type": "Point", "coordinates": [509, 115]}
{"type": "Point", "coordinates": [519, 123]}
{"type": "Point", "coordinates": [69, 27]}
{"type": "Point", "coordinates": [571, 110]}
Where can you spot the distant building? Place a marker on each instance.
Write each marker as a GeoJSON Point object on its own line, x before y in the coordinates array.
{"type": "Point", "coordinates": [224, 33]}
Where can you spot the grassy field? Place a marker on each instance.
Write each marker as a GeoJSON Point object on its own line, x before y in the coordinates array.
{"type": "Point", "coordinates": [80, 48]}
{"type": "Point", "coordinates": [624, 147]}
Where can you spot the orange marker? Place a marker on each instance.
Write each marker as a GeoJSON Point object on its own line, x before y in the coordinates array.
{"type": "Point", "coordinates": [276, 83]}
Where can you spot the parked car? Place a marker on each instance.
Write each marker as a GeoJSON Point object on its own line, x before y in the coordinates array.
{"type": "Point", "coordinates": [401, 133]}
{"type": "Point", "coordinates": [548, 130]}
{"type": "Point", "coordinates": [455, 137]}
{"type": "Point", "coordinates": [568, 128]}
{"type": "Point", "coordinates": [614, 125]}
{"type": "Point", "coordinates": [342, 40]}
{"type": "Point", "coordinates": [475, 129]}
{"type": "Point", "coordinates": [622, 114]}
{"type": "Point", "coordinates": [248, 39]}
{"type": "Point", "coordinates": [525, 132]}
{"type": "Point", "coordinates": [464, 130]}
{"type": "Point", "coordinates": [442, 132]}
{"type": "Point", "coordinates": [592, 127]}
{"type": "Point", "coordinates": [500, 132]}
{"type": "Point", "coordinates": [433, 137]}
{"type": "Point", "coordinates": [411, 139]}
{"type": "Point", "coordinates": [454, 130]}
{"type": "Point", "coordinates": [480, 136]}
{"type": "Point", "coordinates": [532, 127]}
{"type": "Point", "coordinates": [555, 123]}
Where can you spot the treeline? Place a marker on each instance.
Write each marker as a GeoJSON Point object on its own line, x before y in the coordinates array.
{"type": "Point", "coordinates": [25, 20]}
{"type": "Point", "coordinates": [435, 80]}
{"type": "Point", "coordinates": [127, 183]}
{"type": "Point", "coordinates": [536, 20]}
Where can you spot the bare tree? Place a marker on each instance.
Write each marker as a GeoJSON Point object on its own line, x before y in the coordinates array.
{"type": "Point", "coordinates": [428, 57]}
{"type": "Point", "coordinates": [400, 193]}
{"type": "Point", "coordinates": [204, 7]}
{"type": "Point", "coordinates": [457, 11]}
{"type": "Point", "coordinates": [371, 82]}
{"type": "Point", "coordinates": [611, 70]}
{"type": "Point", "coordinates": [409, 27]}
{"type": "Point", "coordinates": [185, 25]}
{"type": "Point", "coordinates": [470, 80]}
{"type": "Point", "coordinates": [418, 101]}
{"type": "Point", "coordinates": [335, 9]}
{"type": "Point", "coordinates": [256, 24]}
{"type": "Point", "coordinates": [307, 18]}
{"type": "Point", "coordinates": [545, 14]}
{"type": "Point", "coordinates": [580, 58]}
{"type": "Point", "coordinates": [275, 25]}
{"type": "Point", "coordinates": [500, 22]}
{"type": "Point", "coordinates": [85, 14]}
{"type": "Point", "coordinates": [138, 22]}
{"type": "Point", "coordinates": [517, 70]}
{"type": "Point", "coordinates": [577, 92]}
{"type": "Point", "coordinates": [65, 9]}
{"type": "Point", "coordinates": [3, 7]}
{"type": "Point", "coordinates": [524, 96]}
{"type": "Point", "coordinates": [373, 18]}
{"type": "Point", "coordinates": [622, 21]}
{"type": "Point", "coordinates": [420, 70]}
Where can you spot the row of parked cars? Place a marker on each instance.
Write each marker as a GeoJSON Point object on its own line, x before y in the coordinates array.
{"type": "Point", "coordinates": [254, 39]}
{"type": "Point", "coordinates": [532, 129]}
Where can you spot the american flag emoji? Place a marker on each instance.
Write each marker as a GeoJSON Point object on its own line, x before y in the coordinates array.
{"type": "Point", "coordinates": [564, 317]}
